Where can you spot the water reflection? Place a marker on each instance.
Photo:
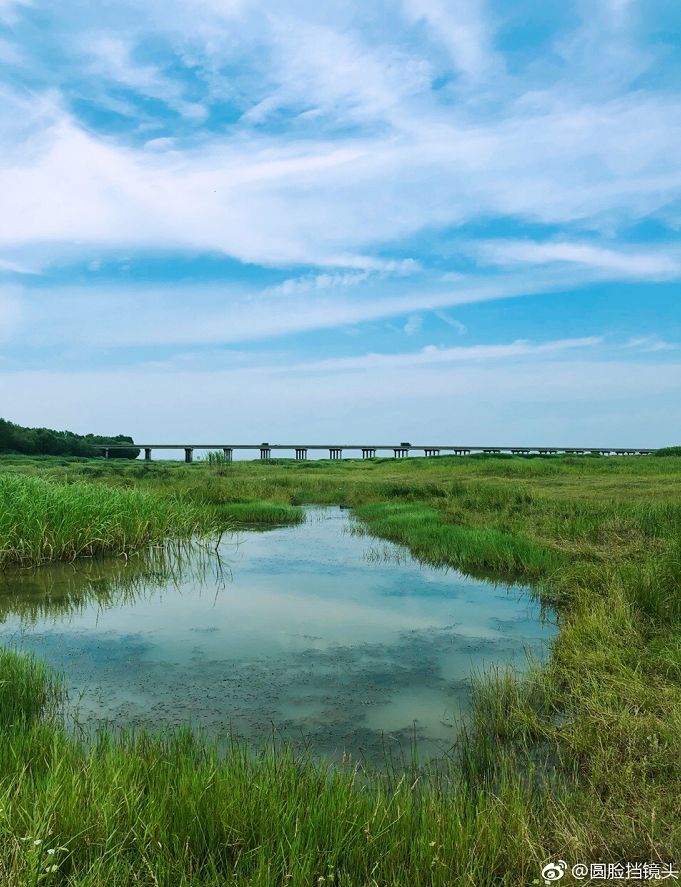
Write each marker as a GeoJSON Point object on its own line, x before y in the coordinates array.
{"type": "Point", "coordinates": [64, 589]}
{"type": "Point", "coordinates": [313, 630]}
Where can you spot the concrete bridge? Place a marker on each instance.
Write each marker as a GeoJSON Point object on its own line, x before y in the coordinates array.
{"type": "Point", "coordinates": [399, 451]}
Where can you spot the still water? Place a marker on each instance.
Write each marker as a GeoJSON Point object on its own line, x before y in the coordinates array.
{"type": "Point", "coordinates": [314, 632]}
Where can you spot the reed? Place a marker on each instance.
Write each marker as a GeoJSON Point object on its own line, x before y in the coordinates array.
{"type": "Point", "coordinates": [258, 513]}
{"type": "Point", "coordinates": [42, 521]}
{"type": "Point", "coordinates": [475, 549]}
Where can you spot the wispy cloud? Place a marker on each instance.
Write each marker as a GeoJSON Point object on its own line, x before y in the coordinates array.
{"type": "Point", "coordinates": [16, 267]}
{"type": "Point", "coordinates": [649, 344]}
{"type": "Point", "coordinates": [464, 29]}
{"type": "Point", "coordinates": [109, 57]}
{"type": "Point", "coordinates": [431, 354]}
{"type": "Point", "coordinates": [270, 171]}
{"type": "Point", "coordinates": [385, 158]}
{"type": "Point", "coordinates": [452, 322]}
{"type": "Point", "coordinates": [314, 282]}
{"type": "Point", "coordinates": [413, 325]}
{"type": "Point", "coordinates": [226, 315]}
{"type": "Point", "coordinates": [637, 263]}
{"type": "Point", "coordinates": [10, 10]}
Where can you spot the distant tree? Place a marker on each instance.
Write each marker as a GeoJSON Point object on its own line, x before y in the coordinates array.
{"type": "Point", "coordinates": [668, 451]}
{"type": "Point", "coordinates": [48, 442]}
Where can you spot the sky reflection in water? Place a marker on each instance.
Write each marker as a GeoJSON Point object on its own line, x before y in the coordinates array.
{"type": "Point", "coordinates": [338, 638]}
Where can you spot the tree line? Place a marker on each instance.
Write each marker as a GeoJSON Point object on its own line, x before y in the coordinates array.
{"type": "Point", "coordinates": [48, 442]}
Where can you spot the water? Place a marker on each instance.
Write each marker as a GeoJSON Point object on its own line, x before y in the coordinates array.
{"type": "Point", "coordinates": [321, 635]}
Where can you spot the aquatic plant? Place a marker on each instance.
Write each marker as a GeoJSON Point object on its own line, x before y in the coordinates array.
{"type": "Point", "coordinates": [257, 513]}
{"type": "Point", "coordinates": [42, 521]}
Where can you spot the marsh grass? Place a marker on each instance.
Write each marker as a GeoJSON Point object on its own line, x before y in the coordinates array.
{"type": "Point", "coordinates": [139, 809]}
{"type": "Point", "coordinates": [42, 521]}
{"type": "Point", "coordinates": [432, 540]}
{"type": "Point", "coordinates": [29, 692]}
{"type": "Point", "coordinates": [576, 759]}
{"type": "Point", "coordinates": [259, 514]}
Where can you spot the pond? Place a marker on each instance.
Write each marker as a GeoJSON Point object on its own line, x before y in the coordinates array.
{"type": "Point", "coordinates": [314, 633]}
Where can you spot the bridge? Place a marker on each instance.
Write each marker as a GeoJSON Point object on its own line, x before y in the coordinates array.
{"type": "Point", "coordinates": [399, 451]}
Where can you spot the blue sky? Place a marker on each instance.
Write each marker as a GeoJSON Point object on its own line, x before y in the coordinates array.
{"type": "Point", "coordinates": [418, 219]}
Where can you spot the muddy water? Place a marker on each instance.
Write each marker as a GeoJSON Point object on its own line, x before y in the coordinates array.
{"type": "Point", "coordinates": [322, 635]}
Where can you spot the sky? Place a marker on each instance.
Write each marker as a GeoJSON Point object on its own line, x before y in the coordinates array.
{"type": "Point", "coordinates": [445, 222]}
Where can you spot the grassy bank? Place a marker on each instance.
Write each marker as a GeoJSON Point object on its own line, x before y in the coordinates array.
{"type": "Point", "coordinates": [578, 760]}
{"type": "Point", "coordinates": [42, 521]}
{"type": "Point", "coordinates": [154, 811]}
{"type": "Point", "coordinates": [260, 514]}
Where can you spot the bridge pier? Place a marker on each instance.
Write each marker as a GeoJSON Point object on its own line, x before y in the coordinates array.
{"type": "Point", "coordinates": [147, 454]}
{"type": "Point", "coordinates": [227, 453]}
{"type": "Point", "coordinates": [301, 453]}
{"type": "Point", "coordinates": [335, 453]}
{"type": "Point", "coordinates": [431, 452]}
{"type": "Point", "coordinates": [106, 452]}
{"type": "Point", "coordinates": [265, 452]}
{"type": "Point", "coordinates": [188, 454]}
{"type": "Point", "coordinates": [368, 453]}
{"type": "Point", "coordinates": [400, 452]}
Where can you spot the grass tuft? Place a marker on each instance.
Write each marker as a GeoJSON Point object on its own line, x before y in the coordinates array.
{"type": "Point", "coordinates": [42, 521]}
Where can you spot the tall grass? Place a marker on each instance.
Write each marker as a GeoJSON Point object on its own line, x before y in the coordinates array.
{"type": "Point", "coordinates": [42, 521]}
{"type": "Point", "coordinates": [429, 538]}
{"type": "Point", "coordinates": [137, 809]}
{"type": "Point", "coordinates": [29, 692]}
{"type": "Point", "coordinates": [257, 513]}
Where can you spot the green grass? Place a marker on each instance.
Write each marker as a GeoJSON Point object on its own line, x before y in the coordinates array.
{"type": "Point", "coordinates": [472, 549]}
{"type": "Point", "coordinates": [42, 521]}
{"type": "Point", "coordinates": [578, 759]}
{"type": "Point", "coordinates": [138, 809]}
{"type": "Point", "coordinates": [260, 514]}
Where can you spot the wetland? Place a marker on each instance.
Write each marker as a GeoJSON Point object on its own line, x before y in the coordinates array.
{"type": "Point", "coordinates": [351, 638]}
{"type": "Point", "coordinates": [317, 632]}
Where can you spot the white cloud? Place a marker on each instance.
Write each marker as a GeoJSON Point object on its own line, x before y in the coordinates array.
{"type": "Point", "coordinates": [316, 67]}
{"type": "Point", "coordinates": [16, 267]}
{"type": "Point", "coordinates": [314, 282]}
{"type": "Point", "coordinates": [110, 57]}
{"type": "Point", "coordinates": [335, 141]}
{"type": "Point", "coordinates": [9, 52]}
{"type": "Point", "coordinates": [10, 10]}
{"type": "Point", "coordinates": [385, 159]}
{"type": "Point", "coordinates": [431, 354]}
{"type": "Point", "coordinates": [452, 322]}
{"type": "Point", "coordinates": [635, 263]}
{"type": "Point", "coordinates": [413, 325]}
{"type": "Point", "coordinates": [231, 196]}
{"type": "Point", "coordinates": [463, 28]}
{"type": "Point", "coordinates": [649, 343]}
{"type": "Point", "coordinates": [225, 315]}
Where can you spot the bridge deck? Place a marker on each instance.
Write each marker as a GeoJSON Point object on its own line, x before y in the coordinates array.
{"type": "Point", "coordinates": [393, 446]}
